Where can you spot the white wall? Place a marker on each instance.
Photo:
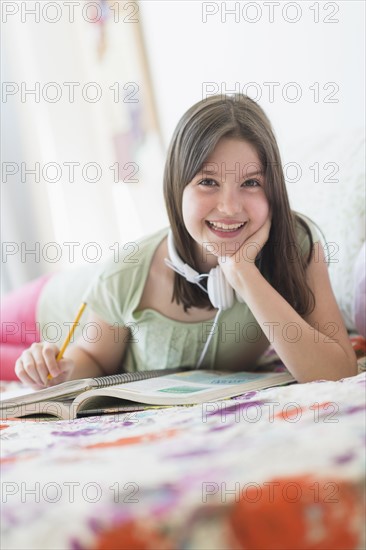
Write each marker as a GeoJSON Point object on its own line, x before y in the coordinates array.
{"type": "Point", "coordinates": [185, 52]}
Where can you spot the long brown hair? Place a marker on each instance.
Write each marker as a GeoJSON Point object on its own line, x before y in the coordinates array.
{"type": "Point", "coordinates": [194, 139]}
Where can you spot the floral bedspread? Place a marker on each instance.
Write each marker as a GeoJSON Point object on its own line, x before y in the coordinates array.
{"type": "Point", "coordinates": [278, 468]}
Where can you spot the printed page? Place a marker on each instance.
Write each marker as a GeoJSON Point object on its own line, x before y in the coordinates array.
{"type": "Point", "coordinates": [186, 388]}
{"type": "Point", "coordinates": [194, 381]}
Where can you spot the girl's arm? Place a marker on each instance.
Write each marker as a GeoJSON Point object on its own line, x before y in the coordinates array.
{"type": "Point", "coordinates": [83, 359]}
{"type": "Point", "coordinates": [312, 348]}
{"type": "Point", "coordinates": [99, 358]}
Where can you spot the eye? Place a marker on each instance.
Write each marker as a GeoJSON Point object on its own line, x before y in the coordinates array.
{"type": "Point", "coordinates": [207, 183]}
{"type": "Point", "coordinates": [251, 183]}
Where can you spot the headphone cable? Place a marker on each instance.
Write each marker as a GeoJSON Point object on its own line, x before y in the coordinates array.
{"type": "Point", "coordinates": [212, 332]}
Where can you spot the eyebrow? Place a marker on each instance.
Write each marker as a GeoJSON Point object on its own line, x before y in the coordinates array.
{"type": "Point", "coordinates": [250, 175]}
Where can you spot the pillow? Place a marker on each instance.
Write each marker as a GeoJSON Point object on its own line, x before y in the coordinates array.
{"type": "Point", "coordinates": [331, 191]}
{"type": "Point", "coordinates": [359, 304]}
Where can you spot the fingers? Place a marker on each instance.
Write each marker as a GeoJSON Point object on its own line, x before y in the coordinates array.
{"type": "Point", "coordinates": [22, 374]}
{"type": "Point", "coordinates": [266, 228]}
{"type": "Point", "coordinates": [260, 237]}
{"type": "Point", "coordinates": [34, 368]}
{"type": "Point", "coordinates": [49, 354]}
{"type": "Point", "coordinates": [36, 363]}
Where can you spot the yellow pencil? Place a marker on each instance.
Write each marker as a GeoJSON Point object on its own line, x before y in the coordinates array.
{"type": "Point", "coordinates": [69, 336]}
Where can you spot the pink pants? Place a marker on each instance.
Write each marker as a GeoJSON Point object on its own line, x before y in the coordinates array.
{"type": "Point", "coordinates": [19, 327]}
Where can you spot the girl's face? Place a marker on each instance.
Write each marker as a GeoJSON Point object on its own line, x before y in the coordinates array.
{"type": "Point", "coordinates": [225, 203]}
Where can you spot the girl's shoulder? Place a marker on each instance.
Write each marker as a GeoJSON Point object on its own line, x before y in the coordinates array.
{"type": "Point", "coordinates": [304, 228]}
{"type": "Point", "coordinates": [118, 286]}
{"type": "Point", "coordinates": [132, 256]}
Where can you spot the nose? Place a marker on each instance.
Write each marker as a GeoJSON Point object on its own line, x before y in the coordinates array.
{"type": "Point", "coordinates": [229, 202]}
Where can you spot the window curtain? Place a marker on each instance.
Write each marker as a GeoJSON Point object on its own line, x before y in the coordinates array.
{"type": "Point", "coordinates": [83, 156]}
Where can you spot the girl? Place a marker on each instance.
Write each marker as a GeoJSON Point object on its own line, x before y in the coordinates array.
{"type": "Point", "coordinates": [227, 205]}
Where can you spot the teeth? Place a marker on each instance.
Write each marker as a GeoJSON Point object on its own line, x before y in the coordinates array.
{"type": "Point", "coordinates": [226, 227]}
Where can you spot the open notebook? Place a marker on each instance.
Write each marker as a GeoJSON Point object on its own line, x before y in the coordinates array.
{"type": "Point", "coordinates": [135, 391]}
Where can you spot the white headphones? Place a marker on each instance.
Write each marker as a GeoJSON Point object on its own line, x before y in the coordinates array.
{"type": "Point", "coordinates": [220, 293]}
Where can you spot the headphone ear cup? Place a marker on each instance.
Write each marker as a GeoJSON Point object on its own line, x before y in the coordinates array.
{"type": "Point", "coordinates": [220, 293]}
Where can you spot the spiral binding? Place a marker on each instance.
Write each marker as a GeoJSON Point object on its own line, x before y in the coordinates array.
{"type": "Point", "coordinates": [126, 377]}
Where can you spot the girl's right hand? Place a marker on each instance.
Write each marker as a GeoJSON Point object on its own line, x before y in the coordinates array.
{"type": "Point", "coordinates": [39, 361]}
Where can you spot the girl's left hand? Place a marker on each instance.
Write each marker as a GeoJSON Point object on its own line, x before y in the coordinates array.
{"type": "Point", "coordinates": [245, 256]}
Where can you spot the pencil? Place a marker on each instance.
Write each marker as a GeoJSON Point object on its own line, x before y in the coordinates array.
{"type": "Point", "coordinates": [69, 336]}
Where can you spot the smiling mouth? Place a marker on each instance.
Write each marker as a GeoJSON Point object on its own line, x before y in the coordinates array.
{"type": "Point", "coordinates": [227, 228]}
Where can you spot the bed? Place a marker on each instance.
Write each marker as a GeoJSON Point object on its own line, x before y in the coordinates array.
{"type": "Point", "coordinates": [277, 468]}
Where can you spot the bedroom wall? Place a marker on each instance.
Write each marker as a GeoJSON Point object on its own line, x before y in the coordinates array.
{"type": "Point", "coordinates": [193, 43]}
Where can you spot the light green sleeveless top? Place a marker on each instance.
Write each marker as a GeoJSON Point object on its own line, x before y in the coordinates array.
{"type": "Point", "coordinates": [114, 292]}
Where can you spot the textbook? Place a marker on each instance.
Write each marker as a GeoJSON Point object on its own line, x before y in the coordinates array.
{"type": "Point", "coordinates": [137, 391]}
